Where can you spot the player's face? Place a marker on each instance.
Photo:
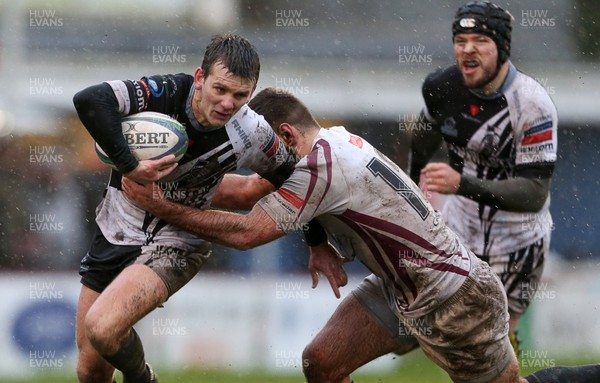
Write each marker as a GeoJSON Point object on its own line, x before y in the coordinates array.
{"type": "Point", "coordinates": [219, 95]}
{"type": "Point", "coordinates": [477, 59]}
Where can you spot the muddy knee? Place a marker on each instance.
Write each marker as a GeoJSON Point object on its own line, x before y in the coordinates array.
{"type": "Point", "coordinates": [104, 336]}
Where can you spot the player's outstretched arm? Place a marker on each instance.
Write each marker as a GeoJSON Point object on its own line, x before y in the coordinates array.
{"type": "Point", "coordinates": [240, 231]}
{"type": "Point", "coordinates": [238, 192]}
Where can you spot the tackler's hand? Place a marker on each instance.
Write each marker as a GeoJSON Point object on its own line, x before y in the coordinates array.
{"type": "Point", "coordinates": [147, 197]}
{"type": "Point", "coordinates": [326, 260]}
{"type": "Point", "coordinates": [149, 171]}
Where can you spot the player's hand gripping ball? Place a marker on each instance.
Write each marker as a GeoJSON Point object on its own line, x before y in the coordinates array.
{"type": "Point", "coordinates": [151, 136]}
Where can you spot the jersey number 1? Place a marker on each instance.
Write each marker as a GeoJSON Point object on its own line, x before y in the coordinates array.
{"type": "Point", "coordinates": [379, 169]}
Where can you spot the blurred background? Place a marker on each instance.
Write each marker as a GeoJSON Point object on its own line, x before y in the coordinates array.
{"type": "Point", "coordinates": [355, 63]}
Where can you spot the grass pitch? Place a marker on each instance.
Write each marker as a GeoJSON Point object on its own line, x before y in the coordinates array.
{"type": "Point", "coordinates": [414, 368]}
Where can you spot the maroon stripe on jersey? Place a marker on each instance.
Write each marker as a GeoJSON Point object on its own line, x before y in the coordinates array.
{"type": "Point", "coordinates": [393, 250]}
{"type": "Point", "coordinates": [312, 164]}
{"type": "Point", "coordinates": [396, 230]}
{"type": "Point", "coordinates": [421, 261]}
{"type": "Point", "coordinates": [408, 255]}
{"type": "Point", "coordinates": [440, 266]}
{"type": "Point", "coordinates": [379, 257]}
{"type": "Point", "coordinates": [396, 248]}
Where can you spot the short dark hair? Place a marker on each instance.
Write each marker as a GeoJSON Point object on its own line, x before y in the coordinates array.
{"type": "Point", "coordinates": [278, 106]}
{"type": "Point", "coordinates": [235, 53]}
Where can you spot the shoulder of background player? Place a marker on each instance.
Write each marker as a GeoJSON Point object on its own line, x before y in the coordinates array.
{"type": "Point", "coordinates": [441, 84]}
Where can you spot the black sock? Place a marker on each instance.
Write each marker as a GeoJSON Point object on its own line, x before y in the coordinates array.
{"type": "Point", "coordinates": [130, 359]}
{"type": "Point", "coordinates": [576, 374]}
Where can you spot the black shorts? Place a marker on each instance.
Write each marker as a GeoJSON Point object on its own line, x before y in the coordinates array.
{"type": "Point", "coordinates": [520, 273]}
{"type": "Point", "coordinates": [104, 261]}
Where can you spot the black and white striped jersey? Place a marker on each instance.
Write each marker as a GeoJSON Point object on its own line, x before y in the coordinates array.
{"type": "Point", "coordinates": [507, 134]}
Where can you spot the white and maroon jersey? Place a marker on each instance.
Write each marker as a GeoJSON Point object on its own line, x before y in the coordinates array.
{"type": "Point", "coordinates": [494, 137]}
{"type": "Point", "coordinates": [371, 210]}
{"type": "Point", "coordinates": [245, 142]}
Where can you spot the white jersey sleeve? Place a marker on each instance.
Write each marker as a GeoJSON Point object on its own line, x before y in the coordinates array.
{"type": "Point", "coordinates": [256, 145]}
{"type": "Point", "coordinates": [537, 127]}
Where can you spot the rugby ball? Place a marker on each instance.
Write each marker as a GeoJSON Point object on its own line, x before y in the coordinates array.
{"type": "Point", "coordinates": [151, 136]}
